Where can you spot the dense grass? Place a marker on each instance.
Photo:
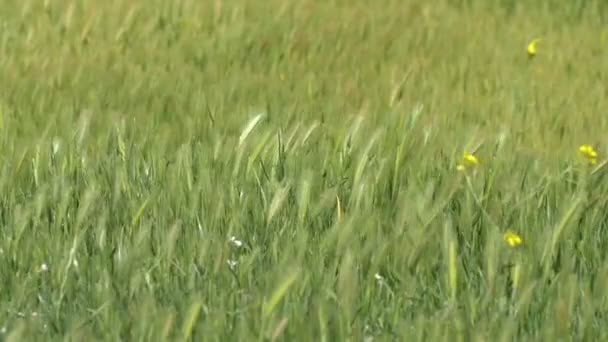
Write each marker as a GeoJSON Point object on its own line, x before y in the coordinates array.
{"type": "Point", "coordinates": [275, 170]}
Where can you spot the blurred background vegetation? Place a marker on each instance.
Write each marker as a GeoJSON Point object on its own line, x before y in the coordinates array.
{"type": "Point", "coordinates": [272, 170]}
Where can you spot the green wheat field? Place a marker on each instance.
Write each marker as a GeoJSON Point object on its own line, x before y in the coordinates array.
{"type": "Point", "coordinates": [240, 170]}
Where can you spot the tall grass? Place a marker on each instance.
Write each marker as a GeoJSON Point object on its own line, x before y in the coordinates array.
{"type": "Point", "coordinates": [270, 170]}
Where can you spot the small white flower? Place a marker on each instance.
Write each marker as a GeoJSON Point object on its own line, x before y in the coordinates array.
{"type": "Point", "coordinates": [34, 314]}
{"type": "Point", "coordinates": [44, 267]}
{"type": "Point", "coordinates": [232, 263]}
{"type": "Point", "coordinates": [378, 277]}
{"type": "Point", "coordinates": [146, 170]}
{"type": "Point", "coordinates": [56, 145]}
{"type": "Point", "coordinates": [235, 242]}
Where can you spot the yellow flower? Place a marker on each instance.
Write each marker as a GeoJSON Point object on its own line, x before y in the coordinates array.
{"type": "Point", "coordinates": [512, 239]}
{"type": "Point", "coordinates": [589, 153]}
{"type": "Point", "coordinates": [469, 161]}
{"type": "Point", "coordinates": [532, 47]}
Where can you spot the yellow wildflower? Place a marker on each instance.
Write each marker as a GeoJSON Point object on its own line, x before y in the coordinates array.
{"type": "Point", "coordinates": [469, 161]}
{"type": "Point", "coordinates": [589, 153]}
{"type": "Point", "coordinates": [512, 239]}
{"type": "Point", "coordinates": [532, 47]}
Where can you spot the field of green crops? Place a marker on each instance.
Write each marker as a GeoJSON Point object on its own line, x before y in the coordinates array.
{"type": "Point", "coordinates": [309, 170]}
